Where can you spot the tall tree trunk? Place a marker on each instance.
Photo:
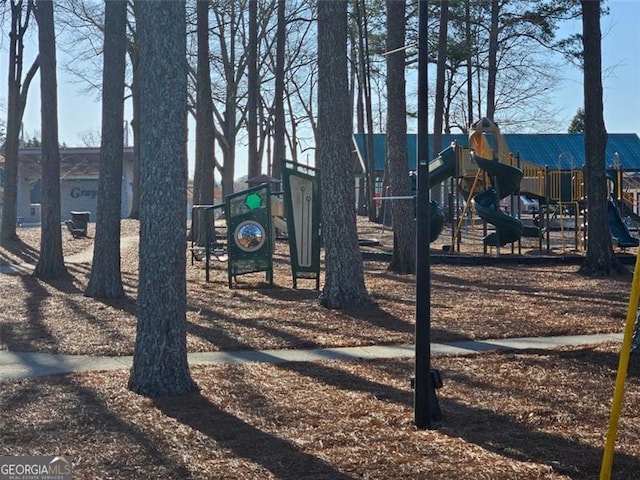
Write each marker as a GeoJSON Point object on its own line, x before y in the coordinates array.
{"type": "Point", "coordinates": [279, 151]}
{"type": "Point", "coordinates": [254, 167]}
{"type": "Point", "coordinates": [229, 22]}
{"type": "Point", "coordinates": [16, 102]}
{"type": "Point", "coordinates": [106, 278]}
{"type": "Point", "coordinates": [402, 211]}
{"type": "Point", "coordinates": [160, 364]}
{"type": "Point", "coordinates": [50, 263]}
{"type": "Point", "coordinates": [203, 181]}
{"type": "Point", "coordinates": [437, 192]}
{"type": "Point", "coordinates": [229, 159]}
{"type": "Point", "coordinates": [438, 111]}
{"type": "Point", "coordinates": [493, 60]}
{"type": "Point", "coordinates": [135, 128]}
{"type": "Point", "coordinates": [599, 260]}
{"type": "Point", "coordinates": [358, 99]}
{"type": "Point", "coordinates": [344, 279]}
{"type": "Point", "coordinates": [468, 43]}
{"type": "Point", "coordinates": [361, 16]}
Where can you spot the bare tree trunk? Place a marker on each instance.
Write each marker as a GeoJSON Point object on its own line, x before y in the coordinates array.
{"type": "Point", "coordinates": [365, 79]}
{"type": "Point", "coordinates": [468, 43]}
{"type": "Point", "coordinates": [16, 101]}
{"type": "Point", "coordinates": [227, 173]}
{"type": "Point", "coordinates": [106, 278]}
{"type": "Point", "coordinates": [50, 263]}
{"type": "Point", "coordinates": [493, 60]}
{"type": "Point", "coordinates": [599, 260]}
{"type": "Point", "coordinates": [278, 116]}
{"type": "Point", "coordinates": [229, 21]}
{"type": "Point", "coordinates": [438, 111]}
{"type": "Point", "coordinates": [358, 99]}
{"type": "Point", "coordinates": [254, 167]}
{"type": "Point", "coordinates": [402, 211]}
{"type": "Point", "coordinates": [160, 364]}
{"type": "Point", "coordinates": [203, 182]}
{"type": "Point", "coordinates": [344, 279]}
{"type": "Point", "coordinates": [135, 128]}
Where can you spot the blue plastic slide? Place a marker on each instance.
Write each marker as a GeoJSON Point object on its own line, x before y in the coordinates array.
{"type": "Point", "coordinates": [619, 230]}
{"type": "Point", "coordinates": [487, 204]}
{"type": "Point", "coordinates": [440, 168]}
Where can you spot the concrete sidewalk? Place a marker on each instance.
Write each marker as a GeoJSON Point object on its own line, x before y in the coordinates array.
{"type": "Point", "coordinates": [15, 365]}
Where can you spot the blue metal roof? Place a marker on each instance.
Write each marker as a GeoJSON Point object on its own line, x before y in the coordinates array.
{"type": "Point", "coordinates": [558, 151]}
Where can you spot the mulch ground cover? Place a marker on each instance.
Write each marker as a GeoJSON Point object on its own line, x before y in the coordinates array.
{"type": "Point", "coordinates": [510, 415]}
{"type": "Point", "coordinates": [524, 415]}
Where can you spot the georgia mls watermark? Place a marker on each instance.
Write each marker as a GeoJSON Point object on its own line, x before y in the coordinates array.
{"type": "Point", "coordinates": [39, 467]}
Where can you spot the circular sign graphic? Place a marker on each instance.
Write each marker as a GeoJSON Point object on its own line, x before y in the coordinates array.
{"type": "Point", "coordinates": [249, 236]}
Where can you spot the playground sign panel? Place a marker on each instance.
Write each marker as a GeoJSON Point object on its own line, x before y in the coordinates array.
{"type": "Point", "coordinates": [302, 205]}
{"type": "Point", "coordinates": [249, 233]}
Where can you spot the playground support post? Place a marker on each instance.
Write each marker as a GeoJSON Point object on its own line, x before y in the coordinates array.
{"type": "Point", "coordinates": [576, 225]}
{"type": "Point", "coordinates": [547, 199]}
{"type": "Point", "coordinates": [518, 209]}
{"type": "Point", "coordinates": [207, 245]}
{"type": "Point", "coordinates": [623, 364]}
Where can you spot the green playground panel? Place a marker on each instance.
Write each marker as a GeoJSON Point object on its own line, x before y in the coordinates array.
{"type": "Point", "coordinates": [301, 185]}
{"type": "Point", "coordinates": [249, 233]}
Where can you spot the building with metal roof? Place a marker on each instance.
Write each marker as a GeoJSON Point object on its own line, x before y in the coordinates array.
{"type": "Point", "coordinates": [558, 151]}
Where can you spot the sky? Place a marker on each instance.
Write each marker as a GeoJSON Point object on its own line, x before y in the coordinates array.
{"type": "Point", "coordinates": [79, 112]}
{"type": "Point", "coordinates": [621, 70]}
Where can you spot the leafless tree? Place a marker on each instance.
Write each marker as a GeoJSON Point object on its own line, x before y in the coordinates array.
{"type": "Point", "coordinates": [106, 279]}
{"type": "Point", "coordinates": [438, 111]}
{"type": "Point", "coordinates": [404, 230]}
{"type": "Point", "coordinates": [599, 260]}
{"type": "Point", "coordinates": [160, 364]}
{"type": "Point", "coordinates": [278, 100]}
{"type": "Point", "coordinates": [203, 178]}
{"type": "Point", "coordinates": [344, 279]}
{"type": "Point", "coordinates": [50, 263]}
{"type": "Point", "coordinates": [17, 91]}
{"type": "Point", "coordinates": [253, 92]}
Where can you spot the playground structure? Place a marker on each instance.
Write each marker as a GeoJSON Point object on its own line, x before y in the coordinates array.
{"type": "Point", "coordinates": [485, 186]}
{"type": "Point", "coordinates": [492, 199]}
{"type": "Point", "coordinates": [249, 220]}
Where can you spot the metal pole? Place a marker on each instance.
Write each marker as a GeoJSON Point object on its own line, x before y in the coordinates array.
{"type": "Point", "coordinates": [425, 402]}
{"type": "Point", "coordinates": [207, 250]}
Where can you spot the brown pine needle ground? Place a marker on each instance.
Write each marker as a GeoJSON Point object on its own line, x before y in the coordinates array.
{"type": "Point", "coordinates": [512, 415]}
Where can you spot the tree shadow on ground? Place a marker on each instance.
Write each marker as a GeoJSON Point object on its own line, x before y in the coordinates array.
{"type": "Point", "coordinates": [220, 333]}
{"type": "Point", "coordinates": [19, 249]}
{"type": "Point", "coordinates": [502, 435]}
{"type": "Point", "coordinates": [282, 458]}
{"type": "Point", "coordinates": [491, 430]}
{"type": "Point", "coordinates": [33, 333]}
{"type": "Point", "coordinates": [77, 407]}
{"type": "Point", "coordinates": [377, 317]}
{"type": "Point", "coordinates": [19, 337]}
{"type": "Point", "coordinates": [453, 282]}
{"type": "Point", "coordinates": [64, 284]}
{"type": "Point", "coordinates": [285, 294]}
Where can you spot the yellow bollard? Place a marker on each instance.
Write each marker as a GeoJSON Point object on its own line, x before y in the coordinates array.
{"type": "Point", "coordinates": [621, 377]}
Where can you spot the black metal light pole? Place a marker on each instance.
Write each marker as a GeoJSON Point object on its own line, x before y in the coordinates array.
{"type": "Point", "coordinates": [423, 401]}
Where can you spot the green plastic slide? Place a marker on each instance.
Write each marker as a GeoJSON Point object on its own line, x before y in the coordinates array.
{"type": "Point", "coordinates": [506, 180]}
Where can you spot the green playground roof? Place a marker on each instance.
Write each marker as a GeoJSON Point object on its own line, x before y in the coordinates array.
{"type": "Point", "coordinates": [558, 151]}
